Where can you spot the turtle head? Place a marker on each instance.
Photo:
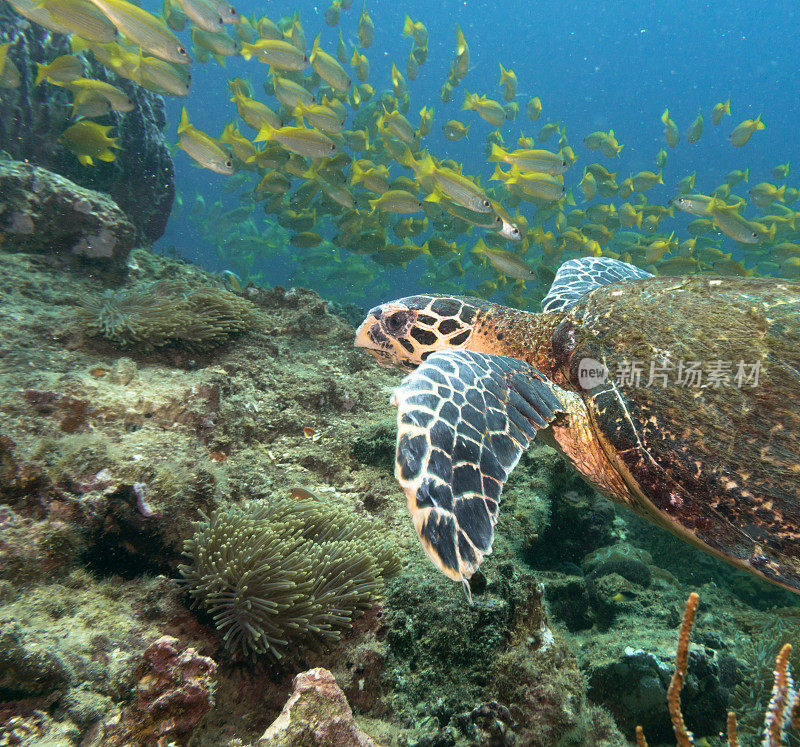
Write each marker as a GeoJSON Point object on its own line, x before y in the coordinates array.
{"type": "Point", "coordinates": [405, 332]}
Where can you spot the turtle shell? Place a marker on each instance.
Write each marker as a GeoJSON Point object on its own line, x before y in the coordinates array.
{"type": "Point", "coordinates": [715, 460]}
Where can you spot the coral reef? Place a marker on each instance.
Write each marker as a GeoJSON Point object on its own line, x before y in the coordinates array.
{"type": "Point", "coordinates": [635, 687]}
{"type": "Point", "coordinates": [545, 694]}
{"type": "Point", "coordinates": [782, 715]}
{"type": "Point", "coordinates": [499, 653]}
{"type": "Point", "coordinates": [376, 443]}
{"type": "Point", "coordinates": [43, 212]}
{"type": "Point", "coordinates": [628, 661]}
{"type": "Point", "coordinates": [578, 520]}
{"type": "Point", "coordinates": [694, 567]}
{"type": "Point", "coordinates": [109, 458]}
{"type": "Point", "coordinates": [166, 312]}
{"type": "Point", "coordinates": [141, 180]}
{"type": "Point", "coordinates": [275, 575]}
{"type": "Point", "coordinates": [69, 651]}
{"type": "Point", "coordinates": [761, 642]}
{"type": "Point", "coordinates": [317, 713]}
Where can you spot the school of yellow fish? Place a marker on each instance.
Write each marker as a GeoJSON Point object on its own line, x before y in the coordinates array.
{"type": "Point", "coordinates": [344, 174]}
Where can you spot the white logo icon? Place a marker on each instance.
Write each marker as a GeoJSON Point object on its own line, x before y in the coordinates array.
{"type": "Point", "coordinates": [591, 373]}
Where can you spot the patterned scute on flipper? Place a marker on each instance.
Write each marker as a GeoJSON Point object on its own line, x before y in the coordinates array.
{"type": "Point", "coordinates": [576, 277]}
{"type": "Point", "coordinates": [463, 420]}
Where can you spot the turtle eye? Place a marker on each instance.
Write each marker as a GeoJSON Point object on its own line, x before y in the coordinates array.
{"type": "Point", "coordinates": [396, 322]}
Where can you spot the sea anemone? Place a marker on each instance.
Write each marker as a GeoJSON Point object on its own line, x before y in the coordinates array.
{"type": "Point", "coordinates": [166, 312]}
{"type": "Point", "coordinates": [278, 575]}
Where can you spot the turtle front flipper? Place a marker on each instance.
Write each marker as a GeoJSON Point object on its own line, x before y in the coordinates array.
{"type": "Point", "coordinates": [463, 420]}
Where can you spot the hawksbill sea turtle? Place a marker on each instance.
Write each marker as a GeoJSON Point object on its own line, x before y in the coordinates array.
{"type": "Point", "coordinates": [706, 443]}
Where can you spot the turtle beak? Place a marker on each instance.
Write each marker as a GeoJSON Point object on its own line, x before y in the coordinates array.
{"type": "Point", "coordinates": [370, 337]}
{"type": "Point", "coordinates": [363, 337]}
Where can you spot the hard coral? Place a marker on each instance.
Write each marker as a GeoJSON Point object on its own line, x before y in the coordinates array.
{"type": "Point", "coordinates": [166, 312]}
{"type": "Point", "coordinates": [276, 575]}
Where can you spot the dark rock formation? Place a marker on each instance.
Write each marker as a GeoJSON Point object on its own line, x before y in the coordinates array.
{"type": "Point", "coordinates": [43, 213]}
{"type": "Point", "coordinates": [28, 665]}
{"type": "Point", "coordinates": [140, 180]}
{"type": "Point", "coordinates": [633, 686]}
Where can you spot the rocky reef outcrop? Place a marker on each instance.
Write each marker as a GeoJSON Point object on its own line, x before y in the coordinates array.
{"type": "Point", "coordinates": [317, 713]}
{"type": "Point", "coordinates": [141, 180]}
{"type": "Point", "coordinates": [173, 692]}
{"type": "Point", "coordinates": [44, 213]}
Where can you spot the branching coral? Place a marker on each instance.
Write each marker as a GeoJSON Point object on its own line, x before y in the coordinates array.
{"type": "Point", "coordinates": [759, 646]}
{"type": "Point", "coordinates": [276, 575]}
{"type": "Point", "coordinates": [682, 735]}
{"type": "Point", "coordinates": [166, 312]}
{"type": "Point", "coordinates": [782, 714]}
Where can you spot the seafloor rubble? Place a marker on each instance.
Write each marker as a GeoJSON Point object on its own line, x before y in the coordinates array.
{"type": "Point", "coordinates": [130, 414]}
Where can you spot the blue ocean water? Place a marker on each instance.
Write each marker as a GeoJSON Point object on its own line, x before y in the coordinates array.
{"type": "Point", "coordinates": [595, 66]}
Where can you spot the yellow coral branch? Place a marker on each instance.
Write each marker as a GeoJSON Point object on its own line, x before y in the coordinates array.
{"type": "Point", "coordinates": [682, 735]}
{"type": "Point", "coordinates": [783, 694]}
{"type": "Point", "coordinates": [784, 707]}
{"type": "Point", "coordinates": [733, 734]}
